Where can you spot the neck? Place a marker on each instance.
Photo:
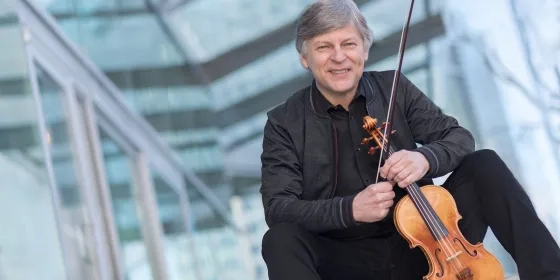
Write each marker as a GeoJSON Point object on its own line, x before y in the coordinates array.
{"type": "Point", "coordinates": [336, 98]}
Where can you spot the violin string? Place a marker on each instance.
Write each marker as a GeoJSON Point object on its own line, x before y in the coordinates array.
{"type": "Point", "coordinates": [446, 237]}
{"type": "Point", "coordinates": [385, 141]}
{"type": "Point", "coordinates": [426, 208]}
{"type": "Point", "coordinates": [412, 190]}
{"type": "Point", "coordinates": [431, 222]}
{"type": "Point", "coordinates": [446, 244]}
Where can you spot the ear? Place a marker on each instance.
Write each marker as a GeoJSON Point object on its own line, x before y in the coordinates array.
{"type": "Point", "coordinates": [367, 55]}
{"type": "Point", "coordinates": [303, 61]}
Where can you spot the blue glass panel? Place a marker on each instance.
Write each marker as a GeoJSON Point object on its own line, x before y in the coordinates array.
{"type": "Point", "coordinates": [90, 6]}
{"type": "Point", "coordinates": [125, 41]}
{"type": "Point", "coordinates": [278, 66]}
{"type": "Point", "coordinates": [161, 100]}
{"type": "Point", "coordinates": [211, 27]}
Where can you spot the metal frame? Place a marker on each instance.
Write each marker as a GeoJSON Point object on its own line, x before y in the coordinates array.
{"type": "Point", "coordinates": [81, 131]}
{"type": "Point", "coordinates": [104, 233]}
{"type": "Point", "coordinates": [84, 174]}
{"type": "Point", "coordinates": [103, 191]}
{"type": "Point", "coordinates": [74, 74]}
{"type": "Point", "coordinates": [109, 99]}
{"type": "Point", "coordinates": [45, 149]}
{"type": "Point", "coordinates": [152, 229]}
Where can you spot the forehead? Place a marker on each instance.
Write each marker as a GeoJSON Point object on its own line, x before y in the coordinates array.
{"type": "Point", "coordinates": [341, 34]}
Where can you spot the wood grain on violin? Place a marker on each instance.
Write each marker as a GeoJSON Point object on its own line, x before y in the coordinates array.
{"type": "Point", "coordinates": [435, 230]}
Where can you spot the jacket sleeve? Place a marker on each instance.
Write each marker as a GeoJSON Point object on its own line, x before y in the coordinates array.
{"type": "Point", "coordinates": [282, 185]}
{"type": "Point", "coordinates": [444, 141]}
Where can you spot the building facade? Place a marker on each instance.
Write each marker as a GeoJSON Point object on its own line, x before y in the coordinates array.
{"type": "Point", "coordinates": [132, 130]}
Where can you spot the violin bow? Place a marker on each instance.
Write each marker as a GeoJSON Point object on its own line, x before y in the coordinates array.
{"type": "Point", "coordinates": [394, 88]}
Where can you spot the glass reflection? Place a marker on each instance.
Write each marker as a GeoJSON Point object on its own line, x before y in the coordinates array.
{"type": "Point", "coordinates": [73, 6]}
{"type": "Point", "coordinates": [87, 23]}
{"type": "Point", "coordinates": [384, 23]}
{"type": "Point", "coordinates": [212, 27]}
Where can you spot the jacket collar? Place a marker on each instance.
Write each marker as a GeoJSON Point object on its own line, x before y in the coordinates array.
{"type": "Point", "coordinates": [320, 105]}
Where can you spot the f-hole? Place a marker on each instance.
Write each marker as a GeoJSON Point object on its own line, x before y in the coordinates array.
{"type": "Point", "coordinates": [473, 254]}
{"type": "Point", "coordinates": [441, 273]}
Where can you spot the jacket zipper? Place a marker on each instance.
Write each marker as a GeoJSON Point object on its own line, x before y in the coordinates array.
{"type": "Point", "coordinates": [335, 167]}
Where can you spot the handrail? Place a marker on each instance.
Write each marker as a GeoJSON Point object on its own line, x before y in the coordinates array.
{"type": "Point", "coordinates": [116, 96]}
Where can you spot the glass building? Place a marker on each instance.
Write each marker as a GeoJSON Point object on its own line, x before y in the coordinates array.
{"type": "Point", "coordinates": [131, 130]}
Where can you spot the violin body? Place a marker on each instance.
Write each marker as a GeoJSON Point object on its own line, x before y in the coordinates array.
{"type": "Point", "coordinates": [452, 257]}
{"type": "Point", "coordinates": [427, 217]}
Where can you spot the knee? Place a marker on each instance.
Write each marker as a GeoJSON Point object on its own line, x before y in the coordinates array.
{"type": "Point", "coordinates": [283, 237]}
{"type": "Point", "coordinates": [484, 158]}
{"type": "Point", "coordinates": [486, 165]}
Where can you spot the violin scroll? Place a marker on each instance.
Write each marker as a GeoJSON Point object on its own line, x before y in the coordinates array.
{"type": "Point", "coordinates": [376, 133]}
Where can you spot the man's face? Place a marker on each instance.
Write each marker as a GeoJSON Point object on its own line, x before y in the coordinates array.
{"type": "Point", "coordinates": [336, 60]}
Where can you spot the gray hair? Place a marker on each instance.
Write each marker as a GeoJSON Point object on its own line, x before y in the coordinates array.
{"type": "Point", "coordinates": [326, 15]}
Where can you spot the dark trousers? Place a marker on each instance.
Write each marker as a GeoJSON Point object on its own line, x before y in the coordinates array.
{"type": "Point", "coordinates": [486, 194]}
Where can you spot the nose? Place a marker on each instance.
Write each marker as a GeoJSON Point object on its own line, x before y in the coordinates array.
{"type": "Point", "coordinates": [338, 55]}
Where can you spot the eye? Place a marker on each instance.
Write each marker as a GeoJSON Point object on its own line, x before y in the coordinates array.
{"type": "Point", "coordinates": [350, 44]}
{"type": "Point", "coordinates": [322, 47]}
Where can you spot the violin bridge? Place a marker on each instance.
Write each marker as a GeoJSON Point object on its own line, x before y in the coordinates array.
{"type": "Point", "coordinates": [454, 256]}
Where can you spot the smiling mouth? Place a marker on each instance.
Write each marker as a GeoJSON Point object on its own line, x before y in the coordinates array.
{"type": "Point", "coordinates": [338, 72]}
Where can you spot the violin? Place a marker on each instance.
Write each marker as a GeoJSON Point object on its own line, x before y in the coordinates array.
{"type": "Point", "coordinates": [427, 217]}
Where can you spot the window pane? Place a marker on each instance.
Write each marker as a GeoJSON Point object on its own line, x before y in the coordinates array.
{"type": "Point", "coordinates": [212, 27]}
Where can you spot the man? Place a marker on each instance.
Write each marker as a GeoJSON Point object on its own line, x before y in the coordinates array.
{"type": "Point", "coordinates": [328, 218]}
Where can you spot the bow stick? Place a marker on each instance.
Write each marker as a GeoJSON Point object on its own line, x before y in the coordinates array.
{"type": "Point", "coordinates": [389, 122]}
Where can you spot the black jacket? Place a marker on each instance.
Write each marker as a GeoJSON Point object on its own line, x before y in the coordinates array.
{"type": "Point", "coordinates": [299, 156]}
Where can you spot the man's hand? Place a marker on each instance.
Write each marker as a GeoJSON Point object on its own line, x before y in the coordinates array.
{"type": "Point", "coordinates": [372, 204]}
{"type": "Point", "coordinates": [405, 167]}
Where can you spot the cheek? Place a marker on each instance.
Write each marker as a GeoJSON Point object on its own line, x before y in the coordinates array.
{"type": "Point", "coordinates": [319, 61]}
{"type": "Point", "coordinates": [358, 57]}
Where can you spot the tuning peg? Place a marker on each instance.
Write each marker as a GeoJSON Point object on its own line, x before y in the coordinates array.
{"type": "Point", "coordinates": [372, 150]}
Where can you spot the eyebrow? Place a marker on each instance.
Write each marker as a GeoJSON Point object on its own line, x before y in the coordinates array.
{"type": "Point", "coordinates": [345, 40]}
{"type": "Point", "coordinates": [351, 38]}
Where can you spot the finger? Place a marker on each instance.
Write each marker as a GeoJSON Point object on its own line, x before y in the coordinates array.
{"type": "Point", "coordinates": [404, 173]}
{"type": "Point", "coordinates": [383, 212]}
{"type": "Point", "coordinates": [397, 168]}
{"type": "Point", "coordinates": [386, 204]}
{"type": "Point", "coordinates": [373, 189]}
{"type": "Point", "coordinates": [392, 183]}
{"type": "Point", "coordinates": [383, 187]}
{"type": "Point", "coordinates": [392, 160]}
{"type": "Point", "coordinates": [385, 196]}
{"type": "Point", "coordinates": [413, 177]}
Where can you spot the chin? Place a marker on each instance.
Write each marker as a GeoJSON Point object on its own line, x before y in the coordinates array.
{"type": "Point", "coordinates": [343, 87]}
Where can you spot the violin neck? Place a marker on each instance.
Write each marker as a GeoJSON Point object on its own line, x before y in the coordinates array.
{"type": "Point", "coordinates": [429, 215]}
